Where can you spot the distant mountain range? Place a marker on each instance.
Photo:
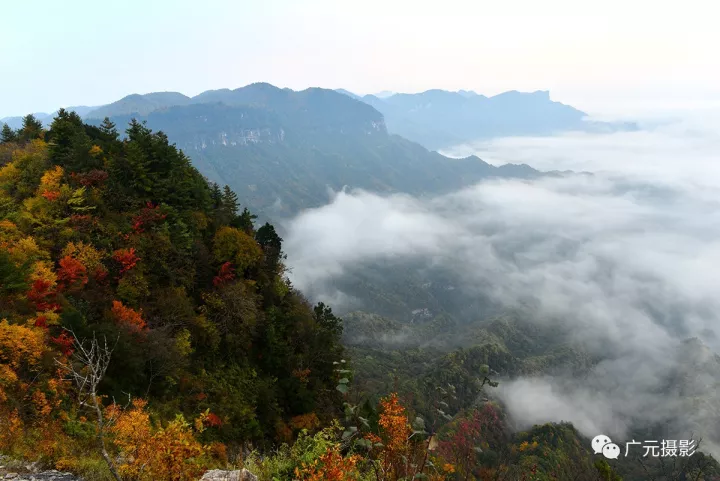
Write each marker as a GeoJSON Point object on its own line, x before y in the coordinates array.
{"type": "Point", "coordinates": [281, 150]}
{"type": "Point", "coordinates": [439, 119]}
{"type": "Point", "coordinates": [436, 119]}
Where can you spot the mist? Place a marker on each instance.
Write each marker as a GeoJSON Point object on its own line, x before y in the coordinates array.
{"type": "Point", "coordinates": [623, 256]}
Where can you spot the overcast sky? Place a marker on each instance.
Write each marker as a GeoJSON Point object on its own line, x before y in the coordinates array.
{"type": "Point", "coordinates": [604, 57]}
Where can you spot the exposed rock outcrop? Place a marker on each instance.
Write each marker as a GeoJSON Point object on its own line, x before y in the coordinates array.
{"type": "Point", "coordinates": [237, 475]}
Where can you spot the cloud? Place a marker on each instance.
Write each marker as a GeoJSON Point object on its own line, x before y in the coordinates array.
{"type": "Point", "coordinates": [625, 259]}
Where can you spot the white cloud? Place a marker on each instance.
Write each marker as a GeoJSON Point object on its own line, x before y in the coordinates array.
{"type": "Point", "coordinates": [625, 258]}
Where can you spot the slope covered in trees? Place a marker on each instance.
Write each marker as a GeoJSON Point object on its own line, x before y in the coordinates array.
{"type": "Point", "coordinates": [126, 241]}
{"type": "Point", "coordinates": [148, 332]}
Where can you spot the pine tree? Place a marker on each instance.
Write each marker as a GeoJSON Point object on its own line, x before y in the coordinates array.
{"type": "Point", "coordinates": [245, 221]}
{"type": "Point", "coordinates": [31, 129]}
{"type": "Point", "coordinates": [7, 134]}
{"type": "Point", "coordinates": [69, 144]}
{"type": "Point", "coordinates": [108, 128]}
{"type": "Point", "coordinates": [215, 195]}
{"type": "Point", "coordinates": [230, 202]}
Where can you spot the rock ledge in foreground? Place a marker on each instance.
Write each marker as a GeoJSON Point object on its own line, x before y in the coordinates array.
{"type": "Point", "coordinates": [237, 475]}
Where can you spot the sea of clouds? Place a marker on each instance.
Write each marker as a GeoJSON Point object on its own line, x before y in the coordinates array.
{"type": "Point", "coordinates": [624, 253]}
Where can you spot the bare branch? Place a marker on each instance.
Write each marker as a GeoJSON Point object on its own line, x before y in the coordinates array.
{"type": "Point", "coordinates": [86, 369]}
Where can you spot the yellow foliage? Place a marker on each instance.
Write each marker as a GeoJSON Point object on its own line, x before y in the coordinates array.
{"type": "Point", "coordinates": [41, 404]}
{"type": "Point", "coordinates": [43, 271]}
{"type": "Point", "coordinates": [10, 429]}
{"type": "Point", "coordinates": [9, 175]}
{"type": "Point", "coordinates": [7, 227]}
{"type": "Point", "coordinates": [95, 151]}
{"type": "Point", "coordinates": [170, 453]}
{"type": "Point", "coordinates": [21, 345]}
{"type": "Point", "coordinates": [183, 342]}
{"type": "Point", "coordinates": [233, 245]}
{"type": "Point", "coordinates": [331, 466]}
{"type": "Point", "coordinates": [308, 421]}
{"type": "Point", "coordinates": [51, 179]}
{"type": "Point", "coordinates": [26, 249]}
{"type": "Point", "coordinates": [90, 257]}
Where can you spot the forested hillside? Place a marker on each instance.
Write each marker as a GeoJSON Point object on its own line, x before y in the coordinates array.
{"type": "Point", "coordinates": [125, 241]}
{"type": "Point", "coordinates": [148, 332]}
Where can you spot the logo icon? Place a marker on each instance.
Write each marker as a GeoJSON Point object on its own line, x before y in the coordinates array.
{"type": "Point", "coordinates": [611, 451]}
{"type": "Point", "coordinates": [599, 442]}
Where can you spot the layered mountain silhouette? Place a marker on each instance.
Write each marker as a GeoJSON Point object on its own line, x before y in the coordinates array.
{"type": "Point", "coordinates": [283, 150]}
{"type": "Point", "coordinates": [439, 119]}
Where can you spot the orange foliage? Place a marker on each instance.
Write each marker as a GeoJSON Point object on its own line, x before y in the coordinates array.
{"type": "Point", "coordinates": [302, 375]}
{"type": "Point", "coordinates": [71, 274]}
{"type": "Point", "coordinates": [126, 258]}
{"type": "Point", "coordinates": [10, 429]}
{"type": "Point", "coordinates": [225, 275]}
{"type": "Point", "coordinates": [308, 421]}
{"type": "Point", "coordinates": [331, 466]}
{"type": "Point", "coordinates": [128, 317]}
{"type": "Point", "coordinates": [398, 457]}
{"type": "Point", "coordinates": [170, 453]}
{"type": "Point", "coordinates": [26, 381]}
{"type": "Point", "coordinates": [64, 343]}
{"type": "Point", "coordinates": [21, 346]}
{"type": "Point", "coordinates": [213, 420]}
{"type": "Point", "coordinates": [43, 295]}
{"type": "Point", "coordinates": [50, 183]}
{"type": "Point", "coordinates": [51, 195]}
{"type": "Point", "coordinates": [395, 426]}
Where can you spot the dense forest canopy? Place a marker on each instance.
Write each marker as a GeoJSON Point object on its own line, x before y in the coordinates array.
{"type": "Point", "coordinates": [148, 331]}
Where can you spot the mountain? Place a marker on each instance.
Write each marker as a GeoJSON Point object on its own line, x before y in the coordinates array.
{"type": "Point", "coordinates": [46, 119]}
{"type": "Point", "coordinates": [281, 150]}
{"type": "Point", "coordinates": [384, 94]}
{"type": "Point", "coordinates": [348, 93]}
{"type": "Point", "coordinates": [138, 104]}
{"type": "Point", "coordinates": [436, 118]}
{"type": "Point", "coordinates": [16, 122]}
{"type": "Point", "coordinates": [439, 119]}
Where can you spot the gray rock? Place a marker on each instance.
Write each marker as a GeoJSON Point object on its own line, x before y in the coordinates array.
{"type": "Point", "coordinates": [43, 476]}
{"type": "Point", "coordinates": [237, 475]}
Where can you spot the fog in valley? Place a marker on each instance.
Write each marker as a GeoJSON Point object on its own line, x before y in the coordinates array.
{"type": "Point", "coordinates": [622, 252]}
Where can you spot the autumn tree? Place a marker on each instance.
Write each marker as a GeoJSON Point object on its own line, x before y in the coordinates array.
{"type": "Point", "coordinates": [331, 466]}
{"type": "Point", "coordinates": [235, 246]}
{"type": "Point", "coordinates": [469, 438]}
{"type": "Point", "coordinates": [171, 452]}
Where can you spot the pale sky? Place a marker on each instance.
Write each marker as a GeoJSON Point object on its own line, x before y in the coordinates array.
{"type": "Point", "coordinates": [607, 57]}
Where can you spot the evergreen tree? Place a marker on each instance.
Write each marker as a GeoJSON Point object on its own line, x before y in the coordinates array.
{"type": "Point", "coordinates": [7, 134]}
{"type": "Point", "coordinates": [69, 144]}
{"type": "Point", "coordinates": [269, 240]}
{"type": "Point", "coordinates": [215, 195]}
{"type": "Point", "coordinates": [108, 128]}
{"type": "Point", "coordinates": [245, 221]}
{"type": "Point", "coordinates": [31, 129]}
{"type": "Point", "coordinates": [230, 202]}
